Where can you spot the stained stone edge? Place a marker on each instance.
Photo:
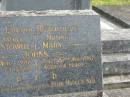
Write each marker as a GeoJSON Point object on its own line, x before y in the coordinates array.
{"type": "Point", "coordinates": [47, 13]}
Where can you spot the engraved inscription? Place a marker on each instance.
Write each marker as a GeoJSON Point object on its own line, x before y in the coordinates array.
{"type": "Point", "coordinates": [42, 57]}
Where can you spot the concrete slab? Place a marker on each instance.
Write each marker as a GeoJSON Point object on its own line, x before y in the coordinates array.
{"type": "Point", "coordinates": [118, 92]}
{"type": "Point", "coordinates": [119, 14]}
{"type": "Point", "coordinates": [107, 25]}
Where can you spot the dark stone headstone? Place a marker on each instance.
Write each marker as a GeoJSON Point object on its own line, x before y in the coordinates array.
{"type": "Point", "coordinates": [15, 5]}
{"type": "Point", "coordinates": [53, 52]}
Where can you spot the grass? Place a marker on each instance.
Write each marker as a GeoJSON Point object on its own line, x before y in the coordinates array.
{"type": "Point", "coordinates": [111, 2]}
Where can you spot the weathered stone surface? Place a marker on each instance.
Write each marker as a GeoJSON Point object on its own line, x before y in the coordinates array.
{"type": "Point", "coordinates": [116, 49]}
{"type": "Point", "coordinates": [118, 92]}
{"type": "Point", "coordinates": [51, 52]}
{"type": "Point", "coordinates": [116, 81]}
{"type": "Point", "coordinates": [46, 13]}
{"type": "Point", "coordinates": [117, 14]}
{"type": "Point", "coordinates": [15, 5]}
{"type": "Point", "coordinates": [117, 34]}
{"type": "Point", "coordinates": [116, 68]}
{"type": "Point", "coordinates": [120, 12]}
{"type": "Point", "coordinates": [80, 94]}
{"type": "Point", "coordinates": [116, 46]}
{"type": "Point", "coordinates": [116, 64]}
{"type": "Point", "coordinates": [116, 41]}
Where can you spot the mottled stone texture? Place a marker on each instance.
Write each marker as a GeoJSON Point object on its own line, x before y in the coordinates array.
{"type": "Point", "coordinates": [121, 13]}
{"type": "Point", "coordinates": [116, 46]}
{"type": "Point", "coordinates": [63, 50]}
{"type": "Point", "coordinates": [116, 52]}
{"type": "Point", "coordinates": [116, 68]}
{"type": "Point", "coordinates": [124, 92]}
{"type": "Point", "coordinates": [15, 5]}
{"type": "Point", "coordinates": [116, 41]}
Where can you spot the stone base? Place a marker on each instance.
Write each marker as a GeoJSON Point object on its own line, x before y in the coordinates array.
{"type": "Point", "coordinates": [78, 94]}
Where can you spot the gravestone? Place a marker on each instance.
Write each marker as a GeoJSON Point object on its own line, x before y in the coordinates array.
{"type": "Point", "coordinates": [15, 5]}
{"type": "Point", "coordinates": [50, 52]}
